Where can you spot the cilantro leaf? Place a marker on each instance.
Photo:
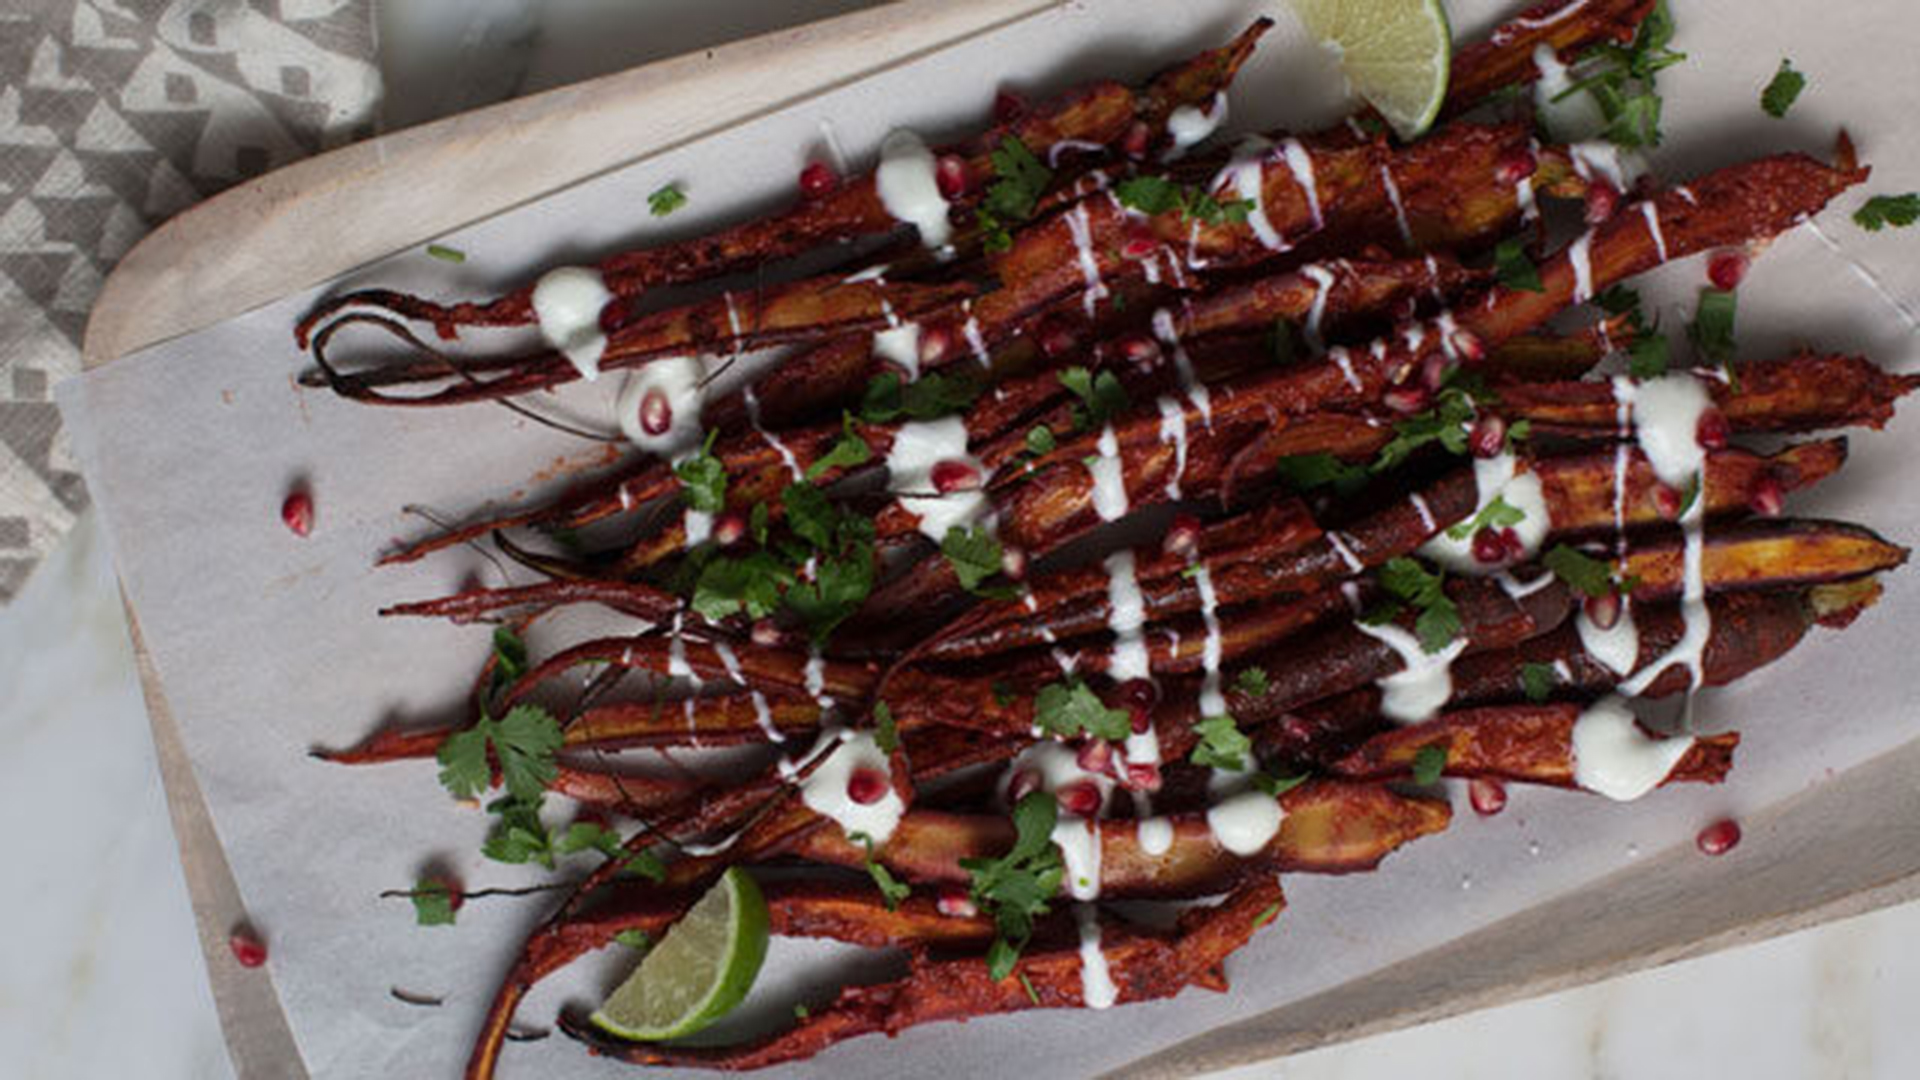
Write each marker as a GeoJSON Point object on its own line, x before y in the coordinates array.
{"type": "Point", "coordinates": [1276, 786]}
{"type": "Point", "coordinates": [848, 451]}
{"type": "Point", "coordinates": [1040, 440]}
{"type": "Point", "coordinates": [810, 514]}
{"type": "Point", "coordinates": [929, 397]}
{"type": "Point", "coordinates": [665, 200]}
{"type": "Point", "coordinates": [524, 741]}
{"type": "Point", "coordinates": [1498, 514]}
{"type": "Point", "coordinates": [973, 553]}
{"type": "Point", "coordinates": [1020, 181]}
{"type": "Point", "coordinates": [1438, 621]}
{"type": "Point", "coordinates": [892, 890]}
{"type": "Point", "coordinates": [464, 770]}
{"type": "Point", "coordinates": [1148, 194]}
{"type": "Point", "coordinates": [1222, 745]}
{"type": "Point", "coordinates": [509, 658]}
{"type": "Point", "coordinates": [1068, 708]}
{"type": "Point", "coordinates": [1447, 423]}
{"type": "Point", "coordinates": [1621, 80]}
{"type": "Point", "coordinates": [1514, 268]}
{"type": "Point", "coordinates": [519, 836]}
{"type": "Point", "coordinates": [1537, 680]}
{"type": "Point", "coordinates": [1881, 211]}
{"type": "Point", "coordinates": [1782, 90]}
{"type": "Point", "coordinates": [1101, 396]}
{"type": "Point", "coordinates": [1429, 764]}
{"type": "Point", "coordinates": [645, 864]}
{"type": "Point", "coordinates": [1583, 572]}
{"type": "Point", "coordinates": [588, 836]}
{"type": "Point", "coordinates": [446, 254]}
{"type": "Point", "coordinates": [1253, 682]}
{"type": "Point", "coordinates": [433, 902]}
{"type": "Point", "coordinates": [703, 479]}
{"type": "Point", "coordinates": [1649, 356]}
{"type": "Point", "coordinates": [1712, 328]}
{"type": "Point", "coordinates": [840, 585]}
{"type": "Point", "coordinates": [1267, 915]}
{"type": "Point", "coordinates": [751, 582]}
{"type": "Point", "coordinates": [886, 734]}
{"type": "Point", "coordinates": [634, 939]}
{"type": "Point", "coordinates": [1619, 300]}
{"type": "Point", "coordinates": [1016, 886]}
{"type": "Point", "coordinates": [1306, 472]}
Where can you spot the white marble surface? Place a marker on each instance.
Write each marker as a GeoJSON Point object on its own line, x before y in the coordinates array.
{"type": "Point", "coordinates": [102, 976]}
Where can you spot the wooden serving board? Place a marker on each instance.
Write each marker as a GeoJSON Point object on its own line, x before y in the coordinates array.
{"type": "Point", "coordinates": [1846, 847]}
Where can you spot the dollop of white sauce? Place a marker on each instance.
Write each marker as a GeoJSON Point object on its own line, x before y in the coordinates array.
{"type": "Point", "coordinates": [1058, 766]}
{"type": "Point", "coordinates": [917, 447]}
{"type": "Point", "coordinates": [1155, 835]}
{"type": "Point", "coordinates": [900, 345]}
{"type": "Point", "coordinates": [1096, 981]}
{"type": "Point", "coordinates": [1618, 646]}
{"type": "Point", "coordinates": [1109, 479]}
{"type": "Point", "coordinates": [825, 790]}
{"type": "Point", "coordinates": [567, 302]}
{"type": "Point", "coordinates": [1614, 757]}
{"type": "Point", "coordinates": [681, 379]}
{"type": "Point", "coordinates": [1079, 842]}
{"type": "Point", "coordinates": [1188, 126]}
{"type": "Point", "coordinates": [1497, 477]}
{"type": "Point", "coordinates": [1127, 614]}
{"type": "Point", "coordinates": [1246, 822]}
{"type": "Point", "coordinates": [1666, 423]}
{"type": "Point", "coordinates": [909, 189]}
{"type": "Point", "coordinates": [1422, 686]}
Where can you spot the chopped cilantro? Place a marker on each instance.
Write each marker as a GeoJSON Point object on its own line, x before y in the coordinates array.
{"type": "Point", "coordinates": [1020, 181]}
{"type": "Point", "coordinates": [929, 397]}
{"type": "Point", "coordinates": [886, 734]}
{"type": "Point", "coordinates": [1159, 195]}
{"type": "Point", "coordinates": [1027, 985]}
{"type": "Point", "coordinates": [892, 890]}
{"type": "Point", "coordinates": [1438, 621]}
{"type": "Point", "coordinates": [1514, 268]}
{"type": "Point", "coordinates": [1621, 79]}
{"type": "Point", "coordinates": [1537, 680]}
{"type": "Point", "coordinates": [1712, 328]}
{"type": "Point", "coordinates": [1429, 764]}
{"type": "Point", "coordinates": [1276, 786]}
{"type": "Point", "coordinates": [666, 200]}
{"type": "Point", "coordinates": [509, 658]}
{"type": "Point", "coordinates": [634, 939]}
{"type": "Point", "coordinates": [1881, 211]}
{"type": "Point", "coordinates": [1101, 396]}
{"type": "Point", "coordinates": [432, 902]}
{"type": "Point", "coordinates": [519, 836]}
{"type": "Point", "coordinates": [1583, 572]}
{"type": "Point", "coordinates": [1222, 744]}
{"type": "Point", "coordinates": [523, 743]}
{"type": "Point", "coordinates": [446, 254]}
{"type": "Point", "coordinates": [849, 450]}
{"type": "Point", "coordinates": [1498, 514]}
{"type": "Point", "coordinates": [1041, 441]}
{"type": "Point", "coordinates": [840, 585]}
{"type": "Point", "coordinates": [1015, 887]}
{"type": "Point", "coordinates": [1068, 708]}
{"type": "Point", "coordinates": [1306, 472]}
{"type": "Point", "coordinates": [1253, 682]}
{"type": "Point", "coordinates": [1447, 423]}
{"type": "Point", "coordinates": [1782, 90]}
{"type": "Point", "coordinates": [1270, 913]}
{"type": "Point", "coordinates": [703, 478]}
{"type": "Point", "coordinates": [1649, 355]}
{"type": "Point", "coordinates": [974, 555]}
{"type": "Point", "coordinates": [752, 583]}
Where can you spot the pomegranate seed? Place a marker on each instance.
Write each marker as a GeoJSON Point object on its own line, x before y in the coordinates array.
{"type": "Point", "coordinates": [767, 634]}
{"type": "Point", "coordinates": [954, 903]}
{"type": "Point", "coordinates": [1137, 141]}
{"type": "Point", "coordinates": [656, 413]}
{"type": "Point", "coordinates": [1139, 694]}
{"type": "Point", "coordinates": [1468, 344]}
{"type": "Point", "coordinates": [1140, 247]}
{"type": "Point", "coordinates": [729, 528]}
{"type": "Point", "coordinates": [1719, 838]}
{"type": "Point", "coordinates": [1488, 437]}
{"type": "Point", "coordinates": [1008, 107]}
{"type": "Point", "coordinates": [297, 512]}
{"type": "Point", "coordinates": [818, 179]}
{"type": "Point", "coordinates": [1510, 541]}
{"type": "Point", "coordinates": [1013, 563]}
{"type": "Point", "coordinates": [1602, 202]}
{"type": "Point", "coordinates": [1487, 795]}
{"type": "Point", "coordinates": [1140, 721]}
{"type": "Point", "coordinates": [1666, 500]}
{"type": "Point", "coordinates": [247, 947]}
{"type": "Point", "coordinates": [1080, 798]}
{"type": "Point", "coordinates": [1726, 269]}
{"type": "Point", "coordinates": [1183, 538]}
{"type": "Point", "coordinates": [1488, 547]}
{"type": "Point", "coordinates": [1022, 784]}
{"type": "Point", "coordinates": [934, 343]}
{"type": "Point", "coordinates": [1140, 349]}
{"type": "Point", "coordinates": [1769, 496]}
{"type": "Point", "coordinates": [953, 475]}
{"type": "Point", "coordinates": [1094, 756]}
{"type": "Point", "coordinates": [1434, 370]}
{"type": "Point", "coordinates": [1057, 338]}
{"type": "Point", "coordinates": [1603, 611]}
{"type": "Point", "coordinates": [1405, 399]}
{"type": "Point", "coordinates": [950, 173]}
{"type": "Point", "coordinates": [1144, 776]}
{"type": "Point", "coordinates": [1515, 167]}
{"type": "Point", "coordinates": [867, 786]}
{"type": "Point", "coordinates": [1713, 431]}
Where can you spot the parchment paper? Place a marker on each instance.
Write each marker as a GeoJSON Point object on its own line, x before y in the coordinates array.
{"type": "Point", "coordinates": [268, 644]}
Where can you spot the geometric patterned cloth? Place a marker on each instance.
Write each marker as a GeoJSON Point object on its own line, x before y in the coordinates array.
{"type": "Point", "coordinates": [114, 116]}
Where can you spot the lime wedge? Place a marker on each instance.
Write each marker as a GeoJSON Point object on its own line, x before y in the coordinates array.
{"type": "Point", "coordinates": [1395, 54]}
{"type": "Point", "coordinates": [701, 969]}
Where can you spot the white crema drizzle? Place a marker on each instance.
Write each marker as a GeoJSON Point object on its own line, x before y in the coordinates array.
{"type": "Point", "coordinates": [567, 302]}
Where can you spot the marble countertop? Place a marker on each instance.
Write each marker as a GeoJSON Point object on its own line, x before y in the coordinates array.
{"type": "Point", "coordinates": [103, 943]}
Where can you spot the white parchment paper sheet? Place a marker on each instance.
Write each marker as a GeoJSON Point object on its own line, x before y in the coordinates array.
{"type": "Point", "coordinates": [268, 644]}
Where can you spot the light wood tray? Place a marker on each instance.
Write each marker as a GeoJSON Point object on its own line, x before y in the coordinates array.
{"type": "Point", "coordinates": [1850, 846]}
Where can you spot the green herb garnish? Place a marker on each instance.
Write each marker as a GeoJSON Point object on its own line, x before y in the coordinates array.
{"type": "Point", "coordinates": [1438, 620]}
{"type": "Point", "coordinates": [666, 200]}
{"type": "Point", "coordinates": [1066, 709]}
{"type": "Point", "coordinates": [1015, 887]}
{"type": "Point", "coordinates": [1782, 90]}
{"type": "Point", "coordinates": [1881, 211]}
{"type": "Point", "coordinates": [1222, 744]}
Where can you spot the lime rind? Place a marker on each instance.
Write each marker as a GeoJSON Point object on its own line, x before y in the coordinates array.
{"type": "Point", "coordinates": [1397, 54]}
{"type": "Point", "coordinates": [700, 970]}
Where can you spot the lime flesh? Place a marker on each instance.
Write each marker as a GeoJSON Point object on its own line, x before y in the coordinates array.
{"type": "Point", "coordinates": [699, 971]}
{"type": "Point", "coordinates": [1395, 54]}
